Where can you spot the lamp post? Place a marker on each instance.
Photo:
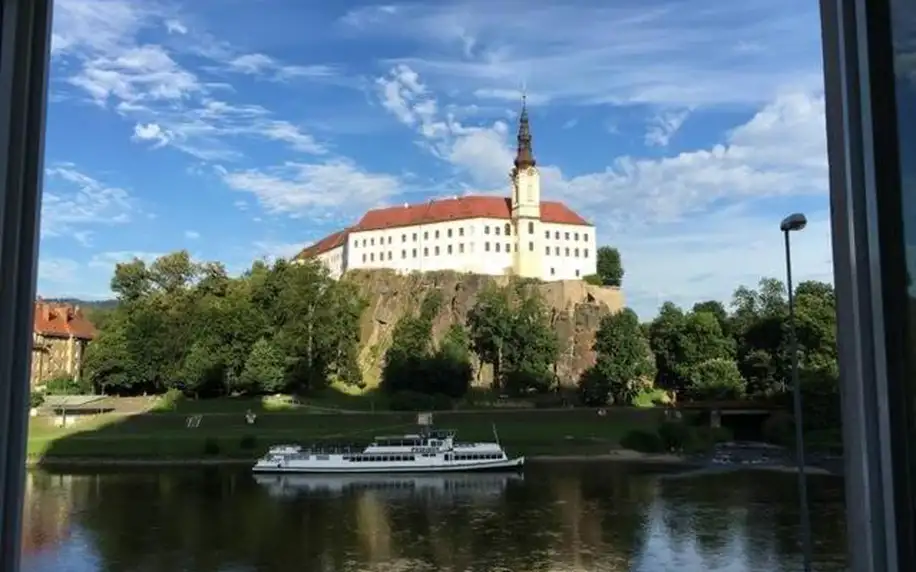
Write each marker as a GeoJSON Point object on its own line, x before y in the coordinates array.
{"type": "Point", "coordinates": [796, 222]}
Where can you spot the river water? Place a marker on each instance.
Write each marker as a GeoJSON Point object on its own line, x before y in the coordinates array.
{"type": "Point", "coordinates": [556, 517]}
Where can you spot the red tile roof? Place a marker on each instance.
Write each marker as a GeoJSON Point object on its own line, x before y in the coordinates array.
{"type": "Point", "coordinates": [459, 208]}
{"type": "Point", "coordinates": [62, 321]}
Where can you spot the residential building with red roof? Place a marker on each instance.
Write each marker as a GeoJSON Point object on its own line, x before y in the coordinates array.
{"type": "Point", "coordinates": [520, 235]}
{"type": "Point", "coordinates": [60, 335]}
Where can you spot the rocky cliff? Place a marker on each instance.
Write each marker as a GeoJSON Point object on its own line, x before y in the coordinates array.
{"type": "Point", "coordinates": [576, 309]}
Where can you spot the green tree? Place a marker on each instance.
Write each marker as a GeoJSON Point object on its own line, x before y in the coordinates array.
{"type": "Point", "coordinates": [265, 368]}
{"type": "Point", "coordinates": [532, 349]}
{"type": "Point", "coordinates": [451, 371]}
{"type": "Point", "coordinates": [716, 379]}
{"type": "Point", "coordinates": [609, 266]}
{"type": "Point", "coordinates": [490, 323]}
{"type": "Point", "coordinates": [623, 361]}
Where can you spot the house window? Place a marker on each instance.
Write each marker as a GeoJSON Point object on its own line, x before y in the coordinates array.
{"type": "Point", "coordinates": [531, 246]}
{"type": "Point", "coordinates": [449, 249]}
{"type": "Point", "coordinates": [530, 227]}
{"type": "Point", "coordinates": [486, 246]}
{"type": "Point", "coordinates": [425, 251]}
{"type": "Point", "coordinates": [496, 246]}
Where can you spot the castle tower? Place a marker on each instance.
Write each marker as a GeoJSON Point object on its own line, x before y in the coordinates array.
{"type": "Point", "coordinates": [526, 204]}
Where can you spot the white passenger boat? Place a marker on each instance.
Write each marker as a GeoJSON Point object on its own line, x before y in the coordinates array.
{"type": "Point", "coordinates": [426, 452]}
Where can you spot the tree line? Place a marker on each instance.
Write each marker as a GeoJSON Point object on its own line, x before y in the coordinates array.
{"type": "Point", "coordinates": [188, 326]}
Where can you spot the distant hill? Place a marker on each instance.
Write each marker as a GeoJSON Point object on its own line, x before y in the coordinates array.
{"type": "Point", "coordinates": [86, 304]}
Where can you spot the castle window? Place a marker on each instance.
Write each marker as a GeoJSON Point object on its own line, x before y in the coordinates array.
{"type": "Point", "coordinates": [577, 273]}
{"type": "Point", "coordinates": [496, 230]}
{"type": "Point", "coordinates": [486, 229]}
{"type": "Point", "coordinates": [496, 246]}
{"type": "Point", "coordinates": [530, 227]}
{"type": "Point", "coordinates": [461, 231]}
{"type": "Point", "coordinates": [577, 253]}
{"type": "Point", "coordinates": [531, 246]}
{"type": "Point", "coordinates": [566, 235]}
{"type": "Point", "coordinates": [448, 233]}
{"type": "Point", "coordinates": [364, 257]}
{"type": "Point", "coordinates": [508, 247]}
{"type": "Point", "coordinates": [425, 251]}
{"type": "Point", "coordinates": [449, 249]}
{"type": "Point", "coordinates": [547, 250]}
{"type": "Point", "coordinates": [585, 237]}
{"type": "Point", "coordinates": [436, 251]}
{"type": "Point", "coordinates": [414, 237]}
{"type": "Point", "coordinates": [486, 246]}
{"type": "Point", "coordinates": [372, 257]}
{"type": "Point", "coordinates": [389, 240]}
{"type": "Point", "coordinates": [461, 248]}
{"type": "Point", "coordinates": [556, 234]}
{"type": "Point", "coordinates": [372, 242]}
{"type": "Point", "coordinates": [403, 238]}
{"type": "Point", "coordinates": [425, 235]}
{"type": "Point", "coordinates": [414, 253]}
{"type": "Point", "coordinates": [556, 250]}
{"type": "Point", "coordinates": [389, 255]}
{"type": "Point", "coordinates": [437, 234]}
{"type": "Point", "coordinates": [585, 253]}
{"type": "Point", "coordinates": [567, 251]}
{"type": "Point", "coordinates": [577, 236]}
{"type": "Point", "coordinates": [403, 254]}
{"type": "Point", "coordinates": [553, 271]}
{"type": "Point", "coordinates": [546, 234]}
{"type": "Point", "coordinates": [508, 230]}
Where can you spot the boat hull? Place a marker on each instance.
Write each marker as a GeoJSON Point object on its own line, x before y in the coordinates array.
{"type": "Point", "coordinates": [491, 466]}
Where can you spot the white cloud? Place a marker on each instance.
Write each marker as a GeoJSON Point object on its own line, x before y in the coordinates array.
{"type": "Point", "coordinates": [104, 51]}
{"type": "Point", "coordinates": [314, 189]}
{"type": "Point", "coordinates": [59, 271]}
{"type": "Point", "coordinates": [191, 234]}
{"type": "Point", "coordinates": [654, 52]}
{"type": "Point", "coordinates": [663, 126]}
{"type": "Point", "coordinates": [72, 201]}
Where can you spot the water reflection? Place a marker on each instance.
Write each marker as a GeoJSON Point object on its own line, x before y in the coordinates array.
{"type": "Point", "coordinates": [572, 518]}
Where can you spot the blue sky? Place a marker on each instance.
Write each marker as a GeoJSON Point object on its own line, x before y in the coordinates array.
{"type": "Point", "coordinates": [240, 129]}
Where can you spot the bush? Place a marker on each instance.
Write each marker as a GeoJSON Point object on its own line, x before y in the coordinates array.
{"type": "Point", "coordinates": [642, 441]}
{"type": "Point", "coordinates": [211, 447]}
{"type": "Point", "coordinates": [168, 401]}
{"type": "Point", "coordinates": [64, 385]}
{"type": "Point", "coordinates": [779, 429]}
{"type": "Point", "coordinates": [247, 443]}
{"type": "Point", "coordinates": [676, 436]}
{"type": "Point", "coordinates": [36, 399]}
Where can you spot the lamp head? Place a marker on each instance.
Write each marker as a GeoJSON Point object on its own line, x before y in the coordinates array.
{"type": "Point", "coordinates": [793, 222]}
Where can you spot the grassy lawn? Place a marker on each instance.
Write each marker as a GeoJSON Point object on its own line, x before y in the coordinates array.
{"type": "Point", "coordinates": [167, 434]}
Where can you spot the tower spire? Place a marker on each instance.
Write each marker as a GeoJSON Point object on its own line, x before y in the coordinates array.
{"type": "Point", "coordinates": [524, 156]}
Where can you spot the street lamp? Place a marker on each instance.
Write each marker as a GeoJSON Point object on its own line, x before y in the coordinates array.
{"type": "Point", "coordinates": [791, 223]}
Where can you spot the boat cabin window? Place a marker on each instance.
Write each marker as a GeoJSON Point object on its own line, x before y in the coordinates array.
{"type": "Point", "coordinates": [433, 443]}
{"type": "Point", "coordinates": [477, 456]}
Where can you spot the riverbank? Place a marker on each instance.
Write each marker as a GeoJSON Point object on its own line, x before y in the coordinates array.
{"type": "Point", "coordinates": [694, 466]}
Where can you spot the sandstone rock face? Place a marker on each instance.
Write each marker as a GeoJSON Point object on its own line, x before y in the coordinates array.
{"type": "Point", "coordinates": [576, 309]}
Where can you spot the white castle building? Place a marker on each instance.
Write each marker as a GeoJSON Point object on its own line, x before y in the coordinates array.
{"type": "Point", "coordinates": [521, 235]}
